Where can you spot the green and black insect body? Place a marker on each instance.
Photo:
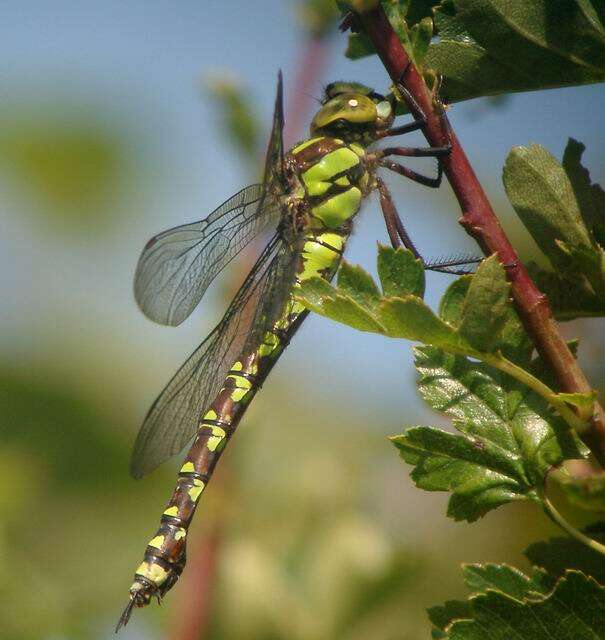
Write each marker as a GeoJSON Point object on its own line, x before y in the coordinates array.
{"type": "Point", "coordinates": [310, 196]}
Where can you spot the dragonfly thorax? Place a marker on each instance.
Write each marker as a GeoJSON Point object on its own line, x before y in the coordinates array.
{"type": "Point", "coordinates": [312, 192]}
{"type": "Point", "coordinates": [329, 180]}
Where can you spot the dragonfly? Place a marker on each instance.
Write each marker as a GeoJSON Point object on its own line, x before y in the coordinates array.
{"type": "Point", "coordinates": [307, 201]}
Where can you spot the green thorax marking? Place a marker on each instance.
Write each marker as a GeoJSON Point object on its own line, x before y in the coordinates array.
{"type": "Point", "coordinates": [334, 179]}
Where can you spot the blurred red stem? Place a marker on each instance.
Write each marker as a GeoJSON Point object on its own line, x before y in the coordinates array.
{"type": "Point", "coordinates": [192, 621]}
{"type": "Point", "coordinates": [312, 61]}
{"type": "Point", "coordinates": [480, 221]}
{"type": "Point", "coordinates": [193, 615]}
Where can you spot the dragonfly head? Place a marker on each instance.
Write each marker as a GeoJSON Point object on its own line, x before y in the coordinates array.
{"type": "Point", "coordinates": [353, 112]}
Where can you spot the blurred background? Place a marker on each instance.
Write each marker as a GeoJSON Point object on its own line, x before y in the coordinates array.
{"type": "Point", "coordinates": [121, 119]}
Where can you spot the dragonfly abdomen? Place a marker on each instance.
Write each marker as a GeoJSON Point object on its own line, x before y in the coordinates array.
{"type": "Point", "coordinates": [164, 555]}
{"type": "Point", "coordinates": [330, 183]}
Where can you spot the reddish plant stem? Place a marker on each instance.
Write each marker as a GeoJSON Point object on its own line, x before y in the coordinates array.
{"type": "Point", "coordinates": [313, 57]}
{"type": "Point", "coordinates": [480, 221]}
{"type": "Point", "coordinates": [192, 619]}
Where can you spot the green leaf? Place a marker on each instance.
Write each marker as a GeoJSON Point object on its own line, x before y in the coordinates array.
{"type": "Point", "coordinates": [317, 16]}
{"type": "Point", "coordinates": [494, 47]}
{"type": "Point", "coordinates": [562, 553]}
{"type": "Point", "coordinates": [360, 45]}
{"type": "Point", "coordinates": [507, 579]}
{"type": "Point", "coordinates": [561, 209]}
{"type": "Point", "coordinates": [490, 47]}
{"type": "Point", "coordinates": [443, 615]}
{"type": "Point", "coordinates": [452, 302]}
{"type": "Point", "coordinates": [417, 10]}
{"type": "Point", "coordinates": [348, 312]}
{"type": "Point", "coordinates": [420, 36]}
{"type": "Point", "coordinates": [356, 302]}
{"type": "Point", "coordinates": [512, 341]}
{"type": "Point", "coordinates": [355, 282]}
{"type": "Point", "coordinates": [543, 197]}
{"type": "Point", "coordinates": [400, 272]}
{"type": "Point", "coordinates": [319, 296]}
{"type": "Point", "coordinates": [480, 306]}
{"type": "Point", "coordinates": [508, 437]}
{"type": "Point", "coordinates": [485, 308]}
{"type": "Point", "coordinates": [315, 291]}
{"type": "Point", "coordinates": [237, 118]}
{"type": "Point", "coordinates": [411, 319]}
{"type": "Point", "coordinates": [412, 24]}
{"type": "Point", "coordinates": [570, 297]}
{"type": "Point", "coordinates": [480, 476]}
{"type": "Point", "coordinates": [590, 197]}
{"type": "Point", "coordinates": [575, 610]}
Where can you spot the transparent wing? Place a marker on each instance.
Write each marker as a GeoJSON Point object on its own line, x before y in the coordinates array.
{"type": "Point", "coordinates": [173, 419]}
{"type": "Point", "coordinates": [274, 159]}
{"type": "Point", "coordinates": [178, 265]}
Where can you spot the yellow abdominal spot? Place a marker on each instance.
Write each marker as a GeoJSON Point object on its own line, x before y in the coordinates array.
{"type": "Point", "coordinates": [316, 258]}
{"type": "Point", "coordinates": [218, 435]}
{"type": "Point", "coordinates": [172, 511]}
{"type": "Point", "coordinates": [240, 381]}
{"type": "Point", "coordinates": [188, 467]}
{"type": "Point", "coordinates": [237, 395]}
{"type": "Point", "coordinates": [242, 386]}
{"type": "Point", "coordinates": [196, 491]}
{"type": "Point", "coordinates": [153, 572]}
{"type": "Point", "coordinates": [156, 542]}
{"type": "Point", "coordinates": [181, 533]}
{"type": "Point", "coordinates": [270, 343]}
{"type": "Point", "coordinates": [282, 323]}
{"type": "Point", "coordinates": [297, 308]}
{"type": "Point", "coordinates": [211, 415]}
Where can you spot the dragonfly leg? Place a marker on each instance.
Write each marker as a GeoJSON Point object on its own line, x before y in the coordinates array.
{"type": "Point", "coordinates": [415, 152]}
{"type": "Point", "coordinates": [400, 130]}
{"type": "Point", "coordinates": [398, 236]}
{"type": "Point", "coordinates": [454, 266]}
{"type": "Point", "coordinates": [420, 119]}
{"type": "Point", "coordinates": [389, 212]}
{"type": "Point", "coordinates": [413, 175]}
{"type": "Point", "coordinates": [395, 228]}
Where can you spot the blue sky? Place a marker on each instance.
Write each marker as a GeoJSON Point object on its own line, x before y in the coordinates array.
{"type": "Point", "coordinates": [144, 63]}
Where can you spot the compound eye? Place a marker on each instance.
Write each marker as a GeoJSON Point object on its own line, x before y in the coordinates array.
{"type": "Point", "coordinates": [384, 109]}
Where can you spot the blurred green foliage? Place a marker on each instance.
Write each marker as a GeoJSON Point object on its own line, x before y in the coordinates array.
{"type": "Point", "coordinates": [237, 117]}
{"type": "Point", "coordinates": [322, 535]}
{"type": "Point", "coordinates": [69, 165]}
{"type": "Point", "coordinates": [491, 47]}
{"type": "Point", "coordinates": [317, 17]}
